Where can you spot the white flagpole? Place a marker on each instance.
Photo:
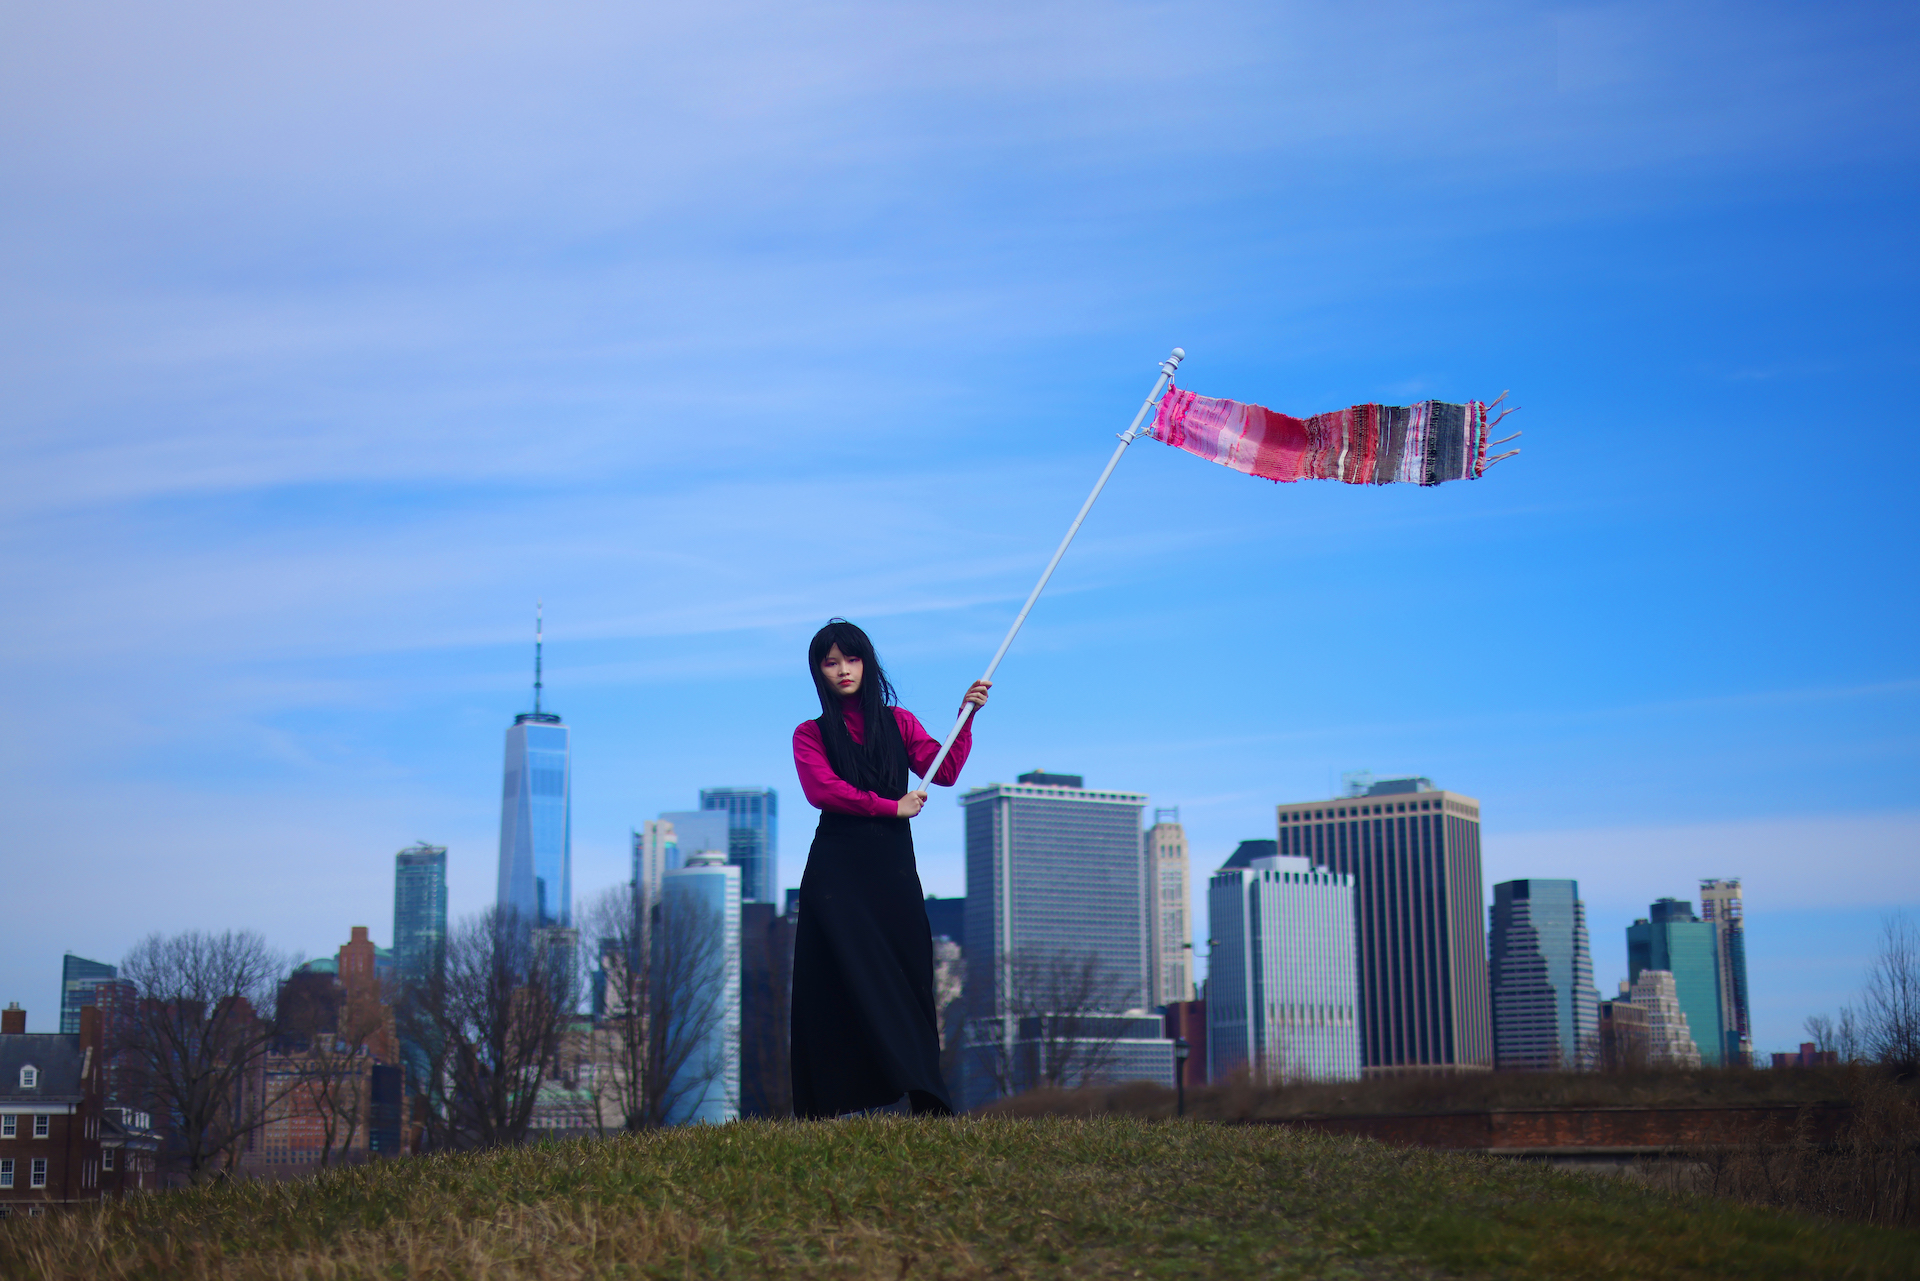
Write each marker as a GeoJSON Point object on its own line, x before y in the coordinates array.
{"type": "Point", "coordinates": [1133, 433]}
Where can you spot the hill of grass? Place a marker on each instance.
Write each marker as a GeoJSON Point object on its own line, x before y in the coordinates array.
{"type": "Point", "coordinates": [893, 1198]}
{"type": "Point", "coordinates": [1243, 1100]}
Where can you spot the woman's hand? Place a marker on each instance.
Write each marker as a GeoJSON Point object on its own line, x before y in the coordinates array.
{"type": "Point", "coordinates": [977, 694]}
{"type": "Point", "coordinates": [911, 804]}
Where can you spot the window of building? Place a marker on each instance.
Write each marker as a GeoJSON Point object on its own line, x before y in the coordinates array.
{"type": "Point", "coordinates": [37, 1175]}
{"type": "Point", "coordinates": [29, 1077]}
{"type": "Point", "coordinates": [106, 1158]}
{"type": "Point", "coordinates": [40, 1127]}
{"type": "Point", "coordinates": [6, 1172]}
{"type": "Point", "coordinates": [9, 1126]}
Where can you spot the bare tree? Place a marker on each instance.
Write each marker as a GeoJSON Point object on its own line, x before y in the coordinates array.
{"type": "Point", "coordinates": [337, 1070]}
{"type": "Point", "coordinates": [491, 1020]}
{"type": "Point", "coordinates": [1819, 1030]}
{"type": "Point", "coordinates": [1847, 1037]}
{"type": "Point", "coordinates": [614, 921]}
{"type": "Point", "coordinates": [664, 1004]}
{"type": "Point", "coordinates": [194, 1045]}
{"type": "Point", "coordinates": [1889, 1011]}
{"type": "Point", "coordinates": [1062, 1018]}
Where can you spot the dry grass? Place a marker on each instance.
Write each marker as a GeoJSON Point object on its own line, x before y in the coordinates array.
{"type": "Point", "coordinates": [892, 1198]}
{"type": "Point", "coordinates": [1242, 1100]}
{"type": "Point", "coordinates": [1870, 1173]}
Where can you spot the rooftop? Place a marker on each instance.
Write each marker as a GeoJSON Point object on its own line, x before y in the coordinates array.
{"type": "Point", "coordinates": [58, 1057]}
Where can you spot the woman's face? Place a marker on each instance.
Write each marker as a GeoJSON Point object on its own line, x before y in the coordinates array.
{"type": "Point", "coordinates": [842, 673]}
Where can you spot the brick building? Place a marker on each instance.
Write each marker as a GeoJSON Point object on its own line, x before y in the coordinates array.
{"type": "Point", "coordinates": [52, 1115]}
{"type": "Point", "coordinates": [332, 1080]}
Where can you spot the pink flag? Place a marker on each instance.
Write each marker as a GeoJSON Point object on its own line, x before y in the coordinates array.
{"type": "Point", "coordinates": [1421, 444]}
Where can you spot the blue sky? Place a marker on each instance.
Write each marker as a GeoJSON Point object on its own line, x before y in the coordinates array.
{"type": "Point", "coordinates": [334, 340]}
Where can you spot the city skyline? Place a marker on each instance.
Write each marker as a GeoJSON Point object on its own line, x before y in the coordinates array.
{"type": "Point", "coordinates": [1720, 898]}
{"type": "Point", "coordinates": [331, 358]}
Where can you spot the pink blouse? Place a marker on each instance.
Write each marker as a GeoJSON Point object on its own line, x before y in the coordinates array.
{"type": "Point", "coordinates": [826, 790]}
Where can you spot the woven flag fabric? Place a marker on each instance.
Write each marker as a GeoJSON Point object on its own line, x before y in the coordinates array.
{"type": "Point", "coordinates": [1421, 444]}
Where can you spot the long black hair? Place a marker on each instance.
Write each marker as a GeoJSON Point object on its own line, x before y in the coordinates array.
{"type": "Point", "coordinates": [880, 763]}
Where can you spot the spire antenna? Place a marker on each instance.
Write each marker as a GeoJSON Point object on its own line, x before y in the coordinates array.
{"type": "Point", "coordinates": [539, 626]}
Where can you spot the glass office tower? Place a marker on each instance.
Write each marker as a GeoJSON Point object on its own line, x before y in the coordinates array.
{"type": "Point", "coordinates": [1545, 1010]}
{"type": "Point", "coordinates": [536, 815]}
{"type": "Point", "coordinates": [1676, 940]}
{"type": "Point", "coordinates": [536, 831]}
{"type": "Point", "coordinates": [78, 979]}
{"type": "Point", "coordinates": [1053, 870]}
{"type": "Point", "coordinates": [753, 836]}
{"type": "Point", "coordinates": [1722, 907]}
{"type": "Point", "coordinates": [703, 1035]}
{"type": "Point", "coordinates": [419, 908]}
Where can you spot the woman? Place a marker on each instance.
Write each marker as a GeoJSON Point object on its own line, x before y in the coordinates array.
{"type": "Point", "coordinates": [865, 1031]}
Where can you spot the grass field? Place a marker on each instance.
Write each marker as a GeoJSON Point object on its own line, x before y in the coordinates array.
{"type": "Point", "coordinates": [1241, 1100]}
{"type": "Point", "coordinates": [892, 1198]}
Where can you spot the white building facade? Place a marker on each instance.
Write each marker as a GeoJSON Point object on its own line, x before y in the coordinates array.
{"type": "Point", "coordinates": [654, 848]}
{"type": "Point", "coordinates": [1670, 1041]}
{"type": "Point", "coordinates": [1283, 988]}
{"type": "Point", "coordinates": [705, 893]}
{"type": "Point", "coordinates": [1169, 922]}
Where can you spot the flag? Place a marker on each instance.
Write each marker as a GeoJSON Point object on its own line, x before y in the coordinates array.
{"type": "Point", "coordinates": [1421, 444]}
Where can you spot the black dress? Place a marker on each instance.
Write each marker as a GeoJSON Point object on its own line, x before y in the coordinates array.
{"type": "Point", "coordinates": [865, 1031]}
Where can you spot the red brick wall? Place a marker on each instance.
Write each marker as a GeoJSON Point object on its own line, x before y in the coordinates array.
{"type": "Point", "coordinates": [65, 1150]}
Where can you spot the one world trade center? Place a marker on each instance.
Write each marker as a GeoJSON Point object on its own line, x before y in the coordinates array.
{"type": "Point", "coordinates": [536, 827]}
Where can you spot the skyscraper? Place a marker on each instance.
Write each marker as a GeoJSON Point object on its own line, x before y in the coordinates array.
{"type": "Point", "coordinates": [1677, 941]}
{"type": "Point", "coordinates": [702, 1036]}
{"type": "Point", "coordinates": [1414, 855]}
{"type": "Point", "coordinates": [78, 979]}
{"type": "Point", "coordinates": [753, 836]}
{"type": "Point", "coordinates": [1169, 928]}
{"type": "Point", "coordinates": [766, 995]}
{"type": "Point", "coordinates": [1283, 985]}
{"type": "Point", "coordinates": [654, 846]}
{"type": "Point", "coordinates": [419, 908]}
{"type": "Point", "coordinates": [1545, 1008]}
{"type": "Point", "coordinates": [692, 831]}
{"type": "Point", "coordinates": [1053, 873]}
{"type": "Point", "coordinates": [947, 918]}
{"type": "Point", "coordinates": [1722, 908]}
{"type": "Point", "coordinates": [536, 824]}
{"type": "Point", "coordinates": [1669, 1041]}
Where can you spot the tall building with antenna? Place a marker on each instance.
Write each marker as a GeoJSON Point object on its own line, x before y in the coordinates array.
{"type": "Point", "coordinates": [536, 825]}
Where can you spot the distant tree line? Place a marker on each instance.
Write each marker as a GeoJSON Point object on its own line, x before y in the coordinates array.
{"type": "Point", "coordinates": [219, 1037]}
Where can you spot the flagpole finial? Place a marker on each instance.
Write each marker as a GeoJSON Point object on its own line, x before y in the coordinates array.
{"type": "Point", "coordinates": [1179, 353]}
